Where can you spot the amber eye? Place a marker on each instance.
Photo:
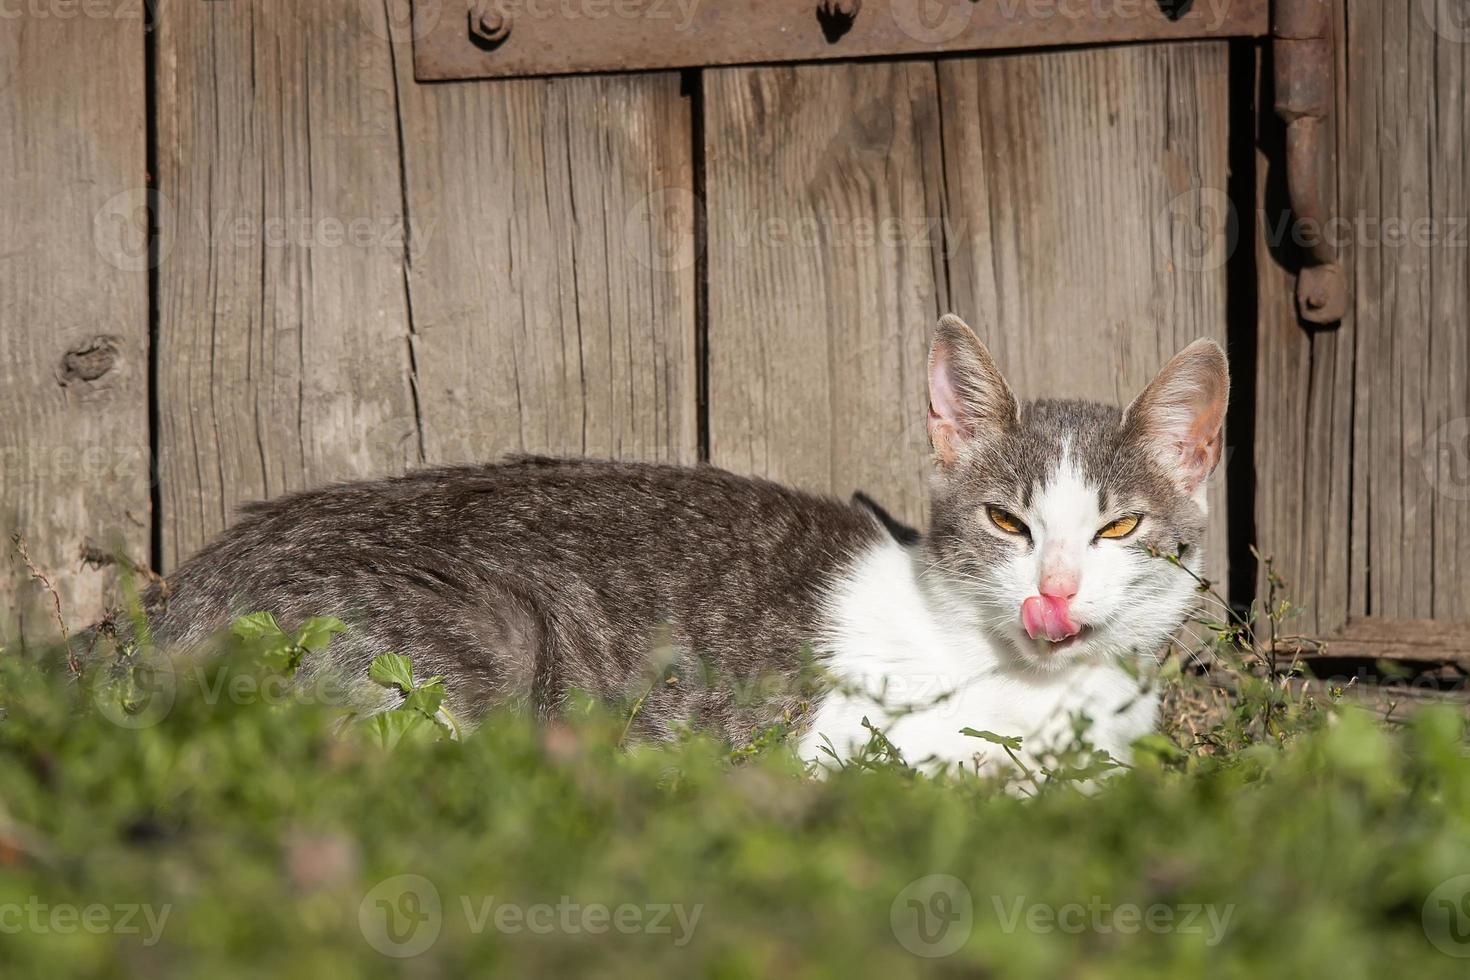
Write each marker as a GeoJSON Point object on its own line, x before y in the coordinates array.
{"type": "Point", "coordinates": [1006, 521]}
{"type": "Point", "coordinates": [1120, 528]}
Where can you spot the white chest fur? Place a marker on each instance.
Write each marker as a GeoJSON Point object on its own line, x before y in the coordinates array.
{"type": "Point", "coordinates": [922, 669]}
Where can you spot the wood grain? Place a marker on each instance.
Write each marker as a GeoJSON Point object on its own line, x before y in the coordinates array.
{"type": "Point", "coordinates": [284, 358]}
{"type": "Point", "coordinates": [1364, 432]}
{"type": "Point", "coordinates": [825, 272]}
{"type": "Point", "coordinates": [74, 324]}
{"type": "Point", "coordinates": [367, 274]}
{"type": "Point", "coordinates": [552, 282]}
{"type": "Point", "coordinates": [1405, 151]}
{"type": "Point", "coordinates": [1304, 407]}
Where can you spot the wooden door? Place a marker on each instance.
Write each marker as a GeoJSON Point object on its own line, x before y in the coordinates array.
{"type": "Point", "coordinates": [1363, 432]}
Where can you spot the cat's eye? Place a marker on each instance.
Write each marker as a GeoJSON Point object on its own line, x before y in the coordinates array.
{"type": "Point", "coordinates": [1006, 521]}
{"type": "Point", "coordinates": [1120, 528]}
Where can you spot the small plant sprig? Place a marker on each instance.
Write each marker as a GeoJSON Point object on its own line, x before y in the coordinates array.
{"type": "Point", "coordinates": [1248, 645]}
{"type": "Point", "coordinates": [423, 709]}
{"type": "Point", "coordinates": [275, 649]}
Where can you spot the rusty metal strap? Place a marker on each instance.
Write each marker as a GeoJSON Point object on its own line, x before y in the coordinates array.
{"type": "Point", "coordinates": [1303, 61]}
{"type": "Point", "coordinates": [458, 39]}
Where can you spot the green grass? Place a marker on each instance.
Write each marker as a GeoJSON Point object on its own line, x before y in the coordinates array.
{"type": "Point", "coordinates": [267, 837]}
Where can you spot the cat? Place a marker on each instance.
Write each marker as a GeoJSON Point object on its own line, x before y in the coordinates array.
{"type": "Point", "coordinates": [1044, 579]}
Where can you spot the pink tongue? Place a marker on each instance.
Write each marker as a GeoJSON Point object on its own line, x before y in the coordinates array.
{"type": "Point", "coordinates": [1046, 616]}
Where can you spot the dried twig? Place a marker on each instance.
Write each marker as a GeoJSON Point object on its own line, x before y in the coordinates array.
{"type": "Point", "coordinates": [40, 576]}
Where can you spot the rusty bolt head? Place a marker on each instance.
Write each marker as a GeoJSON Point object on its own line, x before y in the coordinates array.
{"type": "Point", "coordinates": [840, 8]}
{"type": "Point", "coordinates": [489, 23]}
{"type": "Point", "coordinates": [1322, 294]}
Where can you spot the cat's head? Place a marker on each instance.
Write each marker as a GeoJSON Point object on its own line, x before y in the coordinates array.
{"type": "Point", "coordinates": [1050, 518]}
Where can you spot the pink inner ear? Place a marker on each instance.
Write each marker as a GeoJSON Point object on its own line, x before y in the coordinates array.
{"type": "Point", "coordinates": [944, 403]}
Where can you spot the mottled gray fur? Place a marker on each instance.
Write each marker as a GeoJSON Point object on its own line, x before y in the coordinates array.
{"type": "Point", "coordinates": [522, 581]}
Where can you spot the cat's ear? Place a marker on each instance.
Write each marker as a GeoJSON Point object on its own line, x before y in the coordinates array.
{"type": "Point", "coordinates": [1181, 414]}
{"type": "Point", "coordinates": [967, 395]}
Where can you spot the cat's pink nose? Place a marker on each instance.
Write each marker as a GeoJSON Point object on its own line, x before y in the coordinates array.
{"type": "Point", "coordinates": [1047, 616]}
{"type": "Point", "coordinates": [1059, 585]}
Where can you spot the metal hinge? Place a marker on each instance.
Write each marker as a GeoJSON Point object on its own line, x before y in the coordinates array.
{"type": "Point", "coordinates": [1303, 58]}
{"type": "Point", "coordinates": [459, 39]}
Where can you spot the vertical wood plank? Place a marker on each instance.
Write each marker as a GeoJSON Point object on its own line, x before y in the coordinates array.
{"type": "Point", "coordinates": [1364, 458]}
{"type": "Point", "coordinates": [1086, 190]}
{"type": "Point", "coordinates": [366, 274]}
{"type": "Point", "coordinates": [74, 323]}
{"type": "Point", "coordinates": [825, 259]}
{"type": "Point", "coordinates": [553, 274]}
{"type": "Point", "coordinates": [284, 356]}
{"type": "Point", "coordinates": [1304, 405]}
{"type": "Point", "coordinates": [1405, 154]}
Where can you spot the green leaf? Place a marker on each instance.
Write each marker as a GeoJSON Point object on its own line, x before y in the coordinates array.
{"type": "Point", "coordinates": [392, 670]}
{"type": "Point", "coordinates": [426, 699]}
{"type": "Point", "coordinates": [1005, 741]}
{"type": "Point", "coordinates": [1160, 746]}
{"type": "Point", "coordinates": [318, 631]}
{"type": "Point", "coordinates": [281, 658]}
{"type": "Point", "coordinates": [256, 626]}
{"type": "Point", "coordinates": [391, 727]}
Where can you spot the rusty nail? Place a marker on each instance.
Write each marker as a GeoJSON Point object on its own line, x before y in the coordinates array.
{"type": "Point", "coordinates": [489, 23]}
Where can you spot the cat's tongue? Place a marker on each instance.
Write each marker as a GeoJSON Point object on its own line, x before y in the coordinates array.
{"type": "Point", "coordinates": [1045, 616]}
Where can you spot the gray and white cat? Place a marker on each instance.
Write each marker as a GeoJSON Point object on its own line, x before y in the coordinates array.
{"type": "Point", "coordinates": [1023, 604]}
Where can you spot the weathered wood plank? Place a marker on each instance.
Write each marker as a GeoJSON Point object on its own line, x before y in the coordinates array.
{"type": "Point", "coordinates": [825, 274]}
{"type": "Point", "coordinates": [284, 357]}
{"type": "Point", "coordinates": [1304, 399]}
{"type": "Point", "coordinates": [1413, 641]}
{"type": "Point", "coordinates": [1086, 196]}
{"type": "Point", "coordinates": [552, 277]}
{"type": "Point", "coordinates": [74, 324]}
{"type": "Point", "coordinates": [1364, 459]}
{"type": "Point", "coordinates": [367, 274]}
